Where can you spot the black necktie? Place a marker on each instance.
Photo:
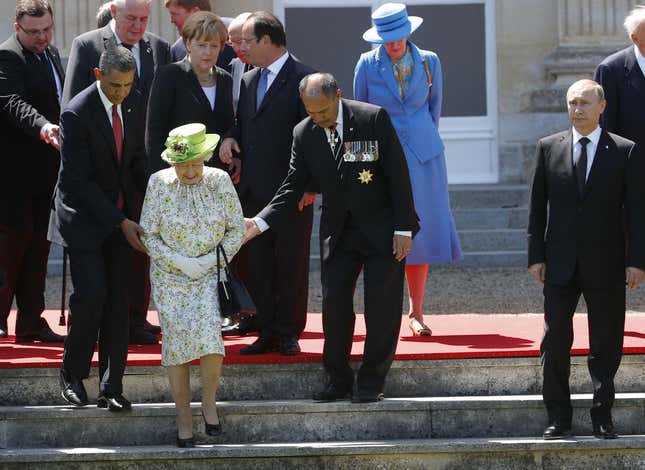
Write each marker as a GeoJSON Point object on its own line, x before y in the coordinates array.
{"type": "Point", "coordinates": [46, 68]}
{"type": "Point", "coordinates": [581, 165]}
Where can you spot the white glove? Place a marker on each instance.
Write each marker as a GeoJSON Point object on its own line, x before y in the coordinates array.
{"type": "Point", "coordinates": [208, 261]}
{"type": "Point", "coordinates": [189, 266]}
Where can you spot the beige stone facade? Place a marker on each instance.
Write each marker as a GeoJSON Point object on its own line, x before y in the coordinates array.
{"type": "Point", "coordinates": [542, 45]}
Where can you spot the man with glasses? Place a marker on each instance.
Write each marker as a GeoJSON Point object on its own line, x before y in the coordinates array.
{"type": "Point", "coordinates": [127, 28]}
{"type": "Point", "coordinates": [31, 81]}
{"type": "Point", "coordinates": [240, 64]}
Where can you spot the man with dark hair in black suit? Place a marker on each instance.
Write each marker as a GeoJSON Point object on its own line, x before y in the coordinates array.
{"type": "Point", "coordinates": [179, 11]}
{"type": "Point", "coordinates": [127, 28]}
{"type": "Point", "coordinates": [269, 107]}
{"type": "Point", "coordinates": [102, 166]}
{"type": "Point", "coordinates": [31, 81]}
{"type": "Point", "coordinates": [622, 76]}
{"type": "Point", "coordinates": [585, 180]}
{"type": "Point", "coordinates": [351, 153]}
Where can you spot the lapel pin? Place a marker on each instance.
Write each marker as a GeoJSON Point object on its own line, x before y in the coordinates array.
{"type": "Point", "coordinates": [606, 147]}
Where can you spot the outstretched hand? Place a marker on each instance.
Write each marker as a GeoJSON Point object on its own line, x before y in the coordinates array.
{"type": "Point", "coordinates": [132, 231]}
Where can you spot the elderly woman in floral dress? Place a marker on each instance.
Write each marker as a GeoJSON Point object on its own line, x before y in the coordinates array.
{"type": "Point", "coordinates": [189, 210]}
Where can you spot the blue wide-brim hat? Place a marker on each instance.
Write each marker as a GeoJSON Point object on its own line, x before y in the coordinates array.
{"type": "Point", "coordinates": [391, 23]}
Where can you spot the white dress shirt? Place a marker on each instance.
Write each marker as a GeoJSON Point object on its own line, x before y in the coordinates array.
{"type": "Point", "coordinates": [135, 47]}
{"type": "Point", "coordinates": [237, 70]}
{"type": "Point", "coordinates": [594, 137]}
{"type": "Point", "coordinates": [640, 59]}
{"type": "Point", "coordinates": [107, 104]}
{"type": "Point", "coordinates": [274, 69]}
{"type": "Point", "coordinates": [210, 92]}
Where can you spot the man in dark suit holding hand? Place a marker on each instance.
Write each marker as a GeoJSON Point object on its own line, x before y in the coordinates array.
{"type": "Point", "coordinates": [350, 152]}
{"type": "Point", "coordinates": [276, 265]}
{"type": "Point", "coordinates": [585, 180]}
{"type": "Point", "coordinates": [102, 166]}
{"type": "Point", "coordinates": [127, 28]}
{"type": "Point", "coordinates": [31, 81]}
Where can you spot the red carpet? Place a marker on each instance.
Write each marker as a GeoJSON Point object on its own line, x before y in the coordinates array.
{"type": "Point", "coordinates": [454, 337]}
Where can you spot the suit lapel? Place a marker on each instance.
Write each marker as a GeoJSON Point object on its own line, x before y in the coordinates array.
{"type": "Point", "coordinates": [277, 84]}
{"type": "Point", "coordinates": [147, 64]}
{"type": "Point", "coordinates": [103, 124]}
{"type": "Point", "coordinates": [418, 73]}
{"type": "Point", "coordinates": [195, 87]}
{"type": "Point", "coordinates": [564, 149]}
{"type": "Point", "coordinates": [385, 70]}
{"type": "Point", "coordinates": [252, 87]}
{"type": "Point", "coordinates": [55, 58]}
{"type": "Point", "coordinates": [633, 73]}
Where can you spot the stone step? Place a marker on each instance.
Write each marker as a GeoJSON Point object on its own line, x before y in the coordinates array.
{"type": "Point", "coordinates": [493, 259]}
{"type": "Point", "coordinates": [497, 240]}
{"type": "Point", "coordinates": [579, 453]}
{"type": "Point", "coordinates": [490, 218]}
{"type": "Point", "coordinates": [448, 377]}
{"type": "Point", "coordinates": [474, 196]}
{"type": "Point", "coordinates": [306, 421]}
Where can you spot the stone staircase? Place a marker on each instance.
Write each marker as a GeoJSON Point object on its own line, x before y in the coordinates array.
{"type": "Point", "coordinates": [490, 220]}
{"type": "Point", "coordinates": [443, 414]}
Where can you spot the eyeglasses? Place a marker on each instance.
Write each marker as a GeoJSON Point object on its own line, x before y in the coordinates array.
{"type": "Point", "coordinates": [248, 41]}
{"type": "Point", "coordinates": [37, 32]}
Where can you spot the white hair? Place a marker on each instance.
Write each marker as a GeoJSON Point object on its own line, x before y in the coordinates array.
{"type": "Point", "coordinates": [121, 3]}
{"type": "Point", "coordinates": [239, 20]}
{"type": "Point", "coordinates": [634, 19]}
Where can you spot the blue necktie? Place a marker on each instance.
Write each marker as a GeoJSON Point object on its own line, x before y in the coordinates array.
{"type": "Point", "coordinates": [262, 88]}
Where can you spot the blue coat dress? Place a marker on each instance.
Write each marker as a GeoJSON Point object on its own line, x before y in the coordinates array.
{"type": "Point", "coordinates": [416, 120]}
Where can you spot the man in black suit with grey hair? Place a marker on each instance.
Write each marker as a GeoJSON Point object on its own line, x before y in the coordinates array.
{"type": "Point", "coordinates": [350, 151]}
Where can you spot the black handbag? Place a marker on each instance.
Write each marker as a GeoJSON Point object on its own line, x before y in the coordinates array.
{"type": "Point", "coordinates": [236, 305]}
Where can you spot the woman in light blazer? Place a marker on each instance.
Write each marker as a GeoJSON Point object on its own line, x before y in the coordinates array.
{"type": "Point", "coordinates": [406, 81]}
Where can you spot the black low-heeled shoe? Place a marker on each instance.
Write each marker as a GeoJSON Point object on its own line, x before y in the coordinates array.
{"type": "Point", "coordinates": [212, 429]}
{"type": "Point", "coordinates": [187, 442]}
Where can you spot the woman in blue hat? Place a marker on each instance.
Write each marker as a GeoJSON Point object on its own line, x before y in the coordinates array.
{"type": "Point", "coordinates": [406, 81]}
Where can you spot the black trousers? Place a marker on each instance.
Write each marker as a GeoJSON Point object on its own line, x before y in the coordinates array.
{"type": "Point", "coordinates": [275, 268]}
{"type": "Point", "coordinates": [98, 308]}
{"type": "Point", "coordinates": [23, 259]}
{"type": "Point", "coordinates": [606, 318]}
{"type": "Point", "coordinates": [383, 277]}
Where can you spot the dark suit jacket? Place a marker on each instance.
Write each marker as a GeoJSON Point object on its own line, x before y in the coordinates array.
{"type": "Point", "coordinates": [86, 51]}
{"type": "Point", "coordinates": [587, 231]}
{"type": "Point", "coordinates": [27, 102]}
{"type": "Point", "coordinates": [624, 85]}
{"type": "Point", "coordinates": [265, 135]}
{"type": "Point", "coordinates": [85, 208]}
{"type": "Point", "coordinates": [377, 208]}
{"type": "Point", "coordinates": [178, 52]}
{"type": "Point", "coordinates": [176, 98]}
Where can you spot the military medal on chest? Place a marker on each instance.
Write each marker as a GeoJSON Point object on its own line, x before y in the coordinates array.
{"type": "Point", "coordinates": [365, 176]}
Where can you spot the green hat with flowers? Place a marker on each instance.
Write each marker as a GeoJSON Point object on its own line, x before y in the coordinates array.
{"type": "Point", "coordinates": [189, 142]}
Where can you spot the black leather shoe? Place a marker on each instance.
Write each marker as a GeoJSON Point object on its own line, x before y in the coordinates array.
{"type": "Point", "coordinates": [142, 336]}
{"type": "Point", "coordinates": [72, 389]}
{"type": "Point", "coordinates": [114, 403]}
{"type": "Point", "coordinates": [367, 397]}
{"type": "Point", "coordinates": [604, 431]}
{"type": "Point", "coordinates": [150, 328]}
{"type": "Point", "coordinates": [45, 335]}
{"type": "Point", "coordinates": [187, 442]}
{"type": "Point", "coordinates": [333, 392]}
{"type": "Point", "coordinates": [556, 431]}
{"type": "Point", "coordinates": [289, 346]}
{"type": "Point", "coordinates": [212, 429]}
{"type": "Point", "coordinates": [262, 345]}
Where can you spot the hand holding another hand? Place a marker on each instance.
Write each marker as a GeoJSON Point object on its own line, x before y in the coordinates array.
{"type": "Point", "coordinates": [252, 230]}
